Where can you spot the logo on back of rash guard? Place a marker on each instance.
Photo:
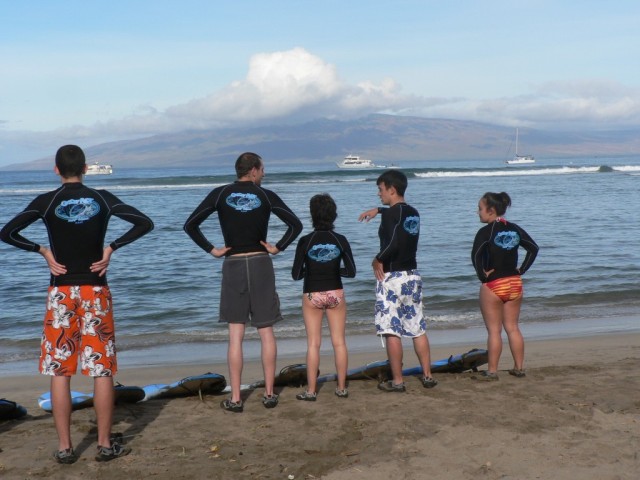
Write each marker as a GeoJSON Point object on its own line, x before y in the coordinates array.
{"type": "Point", "coordinates": [412, 225]}
{"type": "Point", "coordinates": [77, 210]}
{"type": "Point", "coordinates": [324, 252]}
{"type": "Point", "coordinates": [243, 202]}
{"type": "Point", "coordinates": [507, 240]}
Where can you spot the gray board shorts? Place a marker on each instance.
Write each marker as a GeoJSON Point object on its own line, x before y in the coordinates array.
{"type": "Point", "coordinates": [248, 293]}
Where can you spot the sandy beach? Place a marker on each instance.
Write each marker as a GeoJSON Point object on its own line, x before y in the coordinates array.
{"type": "Point", "coordinates": [575, 415]}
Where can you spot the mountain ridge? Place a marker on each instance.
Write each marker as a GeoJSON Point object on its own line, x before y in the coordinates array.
{"type": "Point", "coordinates": [383, 138]}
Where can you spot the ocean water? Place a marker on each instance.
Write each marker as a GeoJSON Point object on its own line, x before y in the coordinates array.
{"type": "Point", "coordinates": [583, 213]}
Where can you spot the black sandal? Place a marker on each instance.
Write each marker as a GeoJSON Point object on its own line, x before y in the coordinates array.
{"type": "Point", "coordinates": [230, 406]}
{"type": "Point", "coordinates": [65, 457]}
{"type": "Point", "coordinates": [270, 401]}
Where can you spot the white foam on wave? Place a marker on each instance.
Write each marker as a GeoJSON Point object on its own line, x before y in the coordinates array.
{"type": "Point", "coordinates": [456, 319]}
{"type": "Point", "coordinates": [159, 187]}
{"type": "Point", "coordinates": [627, 168]}
{"type": "Point", "coordinates": [24, 191]}
{"type": "Point", "coordinates": [509, 173]}
{"type": "Point", "coordinates": [20, 191]}
{"type": "Point", "coordinates": [330, 180]}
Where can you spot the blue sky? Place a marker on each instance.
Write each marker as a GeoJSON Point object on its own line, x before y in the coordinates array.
{"type": "Point", "coordinates": [87, 72]}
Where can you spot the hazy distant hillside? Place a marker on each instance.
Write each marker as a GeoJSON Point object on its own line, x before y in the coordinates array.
{"type": "Point", "coordinates": [383, 138]}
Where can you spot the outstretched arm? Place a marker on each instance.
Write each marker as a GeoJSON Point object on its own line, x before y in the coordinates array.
{"type": "Point", "coordinates": [368, 215]}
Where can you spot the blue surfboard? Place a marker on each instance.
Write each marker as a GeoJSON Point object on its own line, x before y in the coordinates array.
{"type": "Point", "coordinates": [11, 410]}
{"type": "Point", "coordinates": [123, 394]}
{"type": "Point", "coordinates": [206, 384]}
{"type": "Point", "coordinates": [455, 363]}
{"type": "Point", "coordinates": [381, 370]}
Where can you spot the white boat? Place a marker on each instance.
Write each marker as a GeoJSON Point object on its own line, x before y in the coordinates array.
{"type": "Point", "coordinates": [354, 161]}
{"type": "Point", "coordinates": [99, 169]}
{"type": "Point", "coordinates": [520, 159]}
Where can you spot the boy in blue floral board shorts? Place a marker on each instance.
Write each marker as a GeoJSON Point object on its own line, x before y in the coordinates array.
{"type": "Point", "coordinates": [399, 285]}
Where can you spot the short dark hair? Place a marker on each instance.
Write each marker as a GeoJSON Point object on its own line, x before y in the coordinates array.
{"type": "Point", "coordinates": [247, 162]}
{"type": "Point", "coordinates": [70, 161]}
{"type": "Point", "coordinates": [323, 211]}
{"type": "Point", "coordinates": [395, 179]}
{"type": "Point", "coordinates": [497, 201]}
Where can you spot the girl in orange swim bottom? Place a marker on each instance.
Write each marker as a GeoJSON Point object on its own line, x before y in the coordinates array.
{"type": "Point", "coordinates": [506, 288]}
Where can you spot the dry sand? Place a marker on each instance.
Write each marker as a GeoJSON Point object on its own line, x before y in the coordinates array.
{"type": "Point", "coordinates": [575, 415]}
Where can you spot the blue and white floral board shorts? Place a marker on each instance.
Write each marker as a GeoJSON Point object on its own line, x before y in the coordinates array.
{"type": "Point", "coordinates": [399, 305]}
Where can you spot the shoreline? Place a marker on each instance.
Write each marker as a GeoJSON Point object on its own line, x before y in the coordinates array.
{"type": "Point", "coordinates": [573, 415]}
{"type": "Point", "coordinates": [208, 352]}
{"type": "Point", "coordinates": [142, 369]}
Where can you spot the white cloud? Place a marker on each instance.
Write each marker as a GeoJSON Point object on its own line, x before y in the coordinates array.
{"type": "Point", "coordinates": [563, 105]}
{"type": "Point", "coordinates": [292, 83]}
{"type": "Point", "coordinates": [286, 86]}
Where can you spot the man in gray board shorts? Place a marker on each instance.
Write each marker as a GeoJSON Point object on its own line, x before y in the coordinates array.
{"type": "Point", "coordinates": [248, 291]}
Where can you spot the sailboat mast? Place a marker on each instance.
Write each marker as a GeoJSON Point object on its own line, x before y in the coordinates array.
{"type": "Point", "coordinates": [516, 141]}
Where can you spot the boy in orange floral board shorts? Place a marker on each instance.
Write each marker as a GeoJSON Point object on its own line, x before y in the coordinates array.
{"type": "Point", "coordinates": [78, 323]}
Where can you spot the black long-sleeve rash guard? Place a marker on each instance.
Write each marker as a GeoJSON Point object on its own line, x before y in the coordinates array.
{"type": "Point", "coordinates": [76, 218]}
{"type": "Point", "coordinates": [318, 258]}
{"type": "Point", "coordinates": [243, 210]}
{"type": "Point", "coordinates": [496, 248]}
{"type": "Point", "coordinates": [399, 233]}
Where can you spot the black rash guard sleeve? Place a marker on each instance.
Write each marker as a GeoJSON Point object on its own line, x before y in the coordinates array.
{"type": "Point", "coordinates": [10, 233]}
{"type": "Point", "coordinates": [141, 223]}
{"type": "Point", "coordinates": [284, 213]}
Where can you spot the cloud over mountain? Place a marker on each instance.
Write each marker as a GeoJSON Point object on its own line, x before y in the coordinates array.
{"type": "Point", "coordinates": [295, 86]}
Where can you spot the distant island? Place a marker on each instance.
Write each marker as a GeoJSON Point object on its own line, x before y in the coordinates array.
{"type": "Point", "coordinates": [387, 138]}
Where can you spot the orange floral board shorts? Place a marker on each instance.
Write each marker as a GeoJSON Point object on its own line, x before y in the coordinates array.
{"type": "Point", "coordinates": [78, 323]}
{"type": "Point", "coordinates": [507, 288]}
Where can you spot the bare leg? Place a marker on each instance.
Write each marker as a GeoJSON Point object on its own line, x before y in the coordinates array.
{"type": "Point", "coordinates": [269, 354]}
{"type": "Point", "coordinates": [61, 404]}
{"type": "Point", "coordinates": [235, 359]}
{"type": "Point", "coordinates": [337, 319]}
{"type": "Point", "coordinates": [313, 326]}
{"type": "Point", "coordinates": [516, 341]}
{"type": "Point", "coordinates": [103, 402]}
{"type": "Point", "coordinates": [421, 346]}
{"type": "Point", "coordinates": [394, 353]}
{"type": "Point", "coordinates": [492, 311]}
